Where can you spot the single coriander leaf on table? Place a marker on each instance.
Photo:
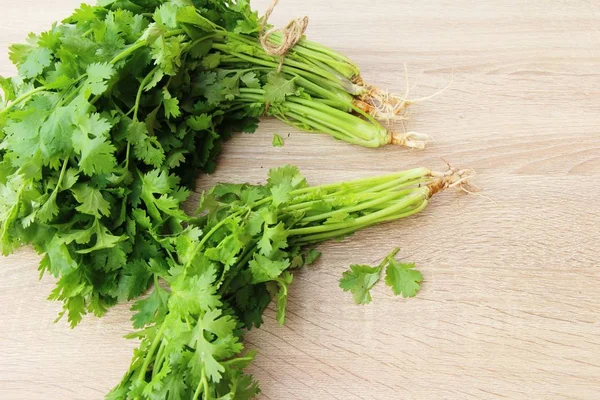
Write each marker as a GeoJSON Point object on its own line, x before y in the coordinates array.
{"type": "Point", "coordinates": [403, 278]}
{"type": "Point", "coordinates": [277, 140]}
{"type": "Point", "coordinates": [360, 280]}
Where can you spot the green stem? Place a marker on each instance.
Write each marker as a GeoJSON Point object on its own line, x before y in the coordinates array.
{"type": "Point", "coordinates": [358, 207]}
{"type": "Point", "coordinates": [419, 194]}
{"type": "Point", "coordinates": [235, 270]}
{"type": "Point", "coordinates": [138, 96]}
{"type": "Point", "coordinates": [159, 358]}
{"type": "Point", "coordinates": [205, 239]}
{"type": "Point", "coordinates": [316, 75]}
{"type": "Point", "coordinates": [22, 97]}
{"type": "Point", "coordinates": [148, 358]}
{"type": "Point", "coordinates": [319, 237]}
{"type": "Point", "coordinates": [138, 45]}
{"type": "Point", "coordinates": [202, 386]}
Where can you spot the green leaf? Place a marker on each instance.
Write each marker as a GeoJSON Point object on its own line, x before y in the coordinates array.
{"type": "Point", "coordinates": [273, 239]}
{"type": "Point", "coordinates": [35, 61]}
{"type": "Point", "coordinates": [223, 345]}
{"type": "Point", "coordinates": [91, 201]}
{"type": "Point", "coordinates": [166, 15]}
{"type": "Point", "coordinates": [277, 140]}
{"type": "Point", "coordinates": [311, 256]}
{"type": "Point", "coordinates": [56, 134]}
{"type": "Point", "coordinates": [359, 280]}
{"type": "Point", "coordinates": [211, 61]}
{"type": "Point", "coordinates": [403, 278]}
{"type": "Point", "coordinates": [278, 87]}
{"type": "Point", "coordinates": [145, 148]}
{"type": "Point", "coordinates": [250, 80]}
{"type": "Point", "coordinates": [104, 239]}
{"type": "Point", "coordinates": [97, 76]}
{"type": "Point", "coordinates": [171, 105]}
{"type": "Point", "coordinates": [58, 260]}
{"type": "Point", "coordinates": [191, 295]}
{"type": "Point", "coordinates": [200, 122]}
{"type": "Point", "coordinates": [190, 15]}
{"type": "Point", "coordinates": [90, 141]}
{"type": "Point", "coordinates": [265, 269]}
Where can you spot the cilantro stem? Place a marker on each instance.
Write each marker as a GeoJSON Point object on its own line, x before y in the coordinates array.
{"type": "Point", "coordinates": [235, 270]}
{"type": "Point", "coordinates": [358, 207]}
{"type": "Point", "coordinates": [202, 386]}
{"type": "Point", "coordinates": [319, 237]}
{"type": "Point", "coordinates": [139, 44]}
{"type": "Point", "coordinates": [420, 194]}
{"type": "Point", "coordinates": [148, 358]}
{"type": "Point", "coordinates": [21, 98]}
{"type": "Point", "coordinates": [317, 75]}
{"type": "Point", "coordinates": [138, 96]}
{"type": "Point", "coordinates": [205, 238]}
{"type": "Point", "coordinates": [389, 257]}
{"type": "Point", "coordinates": [329, 57]}
{"type": "Point", "coordinates": [128, 51]}
{"type": "Point", "coordinates": [159, 358]}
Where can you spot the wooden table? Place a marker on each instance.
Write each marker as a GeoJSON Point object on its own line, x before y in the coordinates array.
{"type": "Point", "coordinates": [510, 304]}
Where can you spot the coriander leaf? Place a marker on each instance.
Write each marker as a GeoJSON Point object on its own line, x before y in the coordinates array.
{"type": "Point", "coordinates": [97, 75]}
{"type": "Point", "coordinates": [359, 280]}
{"type": "Point", "coordinates": [58, 260]}
{"type": "Point", "coordinates": [199, 122]}
{"type": "Point", "coordinates": [211, 61]}
{"type": "Point", "coordinates": [170, 104]}
{"type": "Point", "coordinates": [190, 15]}
{"type": "Point", "coordinates": [403, 278]}
{"type": "Point", "coordinates": [166, 15]}
{"type": "Point", "coordinates": [273, 239]}
{"type": "Point", "coordinates": [264, 269]}
{"type": "Point", "coordinates": [104, 239]}
{"type": "Point", "coordinates": [34, 62]}
{"type": "Point", "coordinates": [223, 345]}
{"type": "Point", "coordinates": [97, 155]}
{"type": "Point", "coordinates": [48, 210]}
{"type": "Point", "coordinates": [91, 201]}
{"type": "Point", "coordinates": [250, 80]}
{"type": "Point", "coordinates": [191, 295]}
{"type": "Point", "coordinates": [311, 256]}
{"type": "Point", "coordinates": [277, 140]}
{"type": "Point", "coordinates": [56, 134]}
{"type": "Point", "coordinates": [278, 87]}
{"type": "Point", "coordinates": [145, 148]}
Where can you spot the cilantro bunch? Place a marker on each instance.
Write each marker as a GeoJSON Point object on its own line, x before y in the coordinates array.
{"type": "Point", "coordinates": [102, 134]}
{"type": "Point", "coordinates": [116, 110]}
{"type": "Point", "coordinates": [239, 252]}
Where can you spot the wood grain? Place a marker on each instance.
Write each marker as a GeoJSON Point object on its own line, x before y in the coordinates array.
{"type": "Point", "coordinates": [509, 307]}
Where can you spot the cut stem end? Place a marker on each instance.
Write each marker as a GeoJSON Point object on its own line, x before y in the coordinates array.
{"type": "Point", "coordinates": [412, 140]}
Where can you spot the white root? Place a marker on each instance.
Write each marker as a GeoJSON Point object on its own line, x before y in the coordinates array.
{"type": "Point", "coordinates": [411, 139]}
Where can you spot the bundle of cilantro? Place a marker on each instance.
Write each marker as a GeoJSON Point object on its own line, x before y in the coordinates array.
{"type": "Point", "coordinates": [115, 110]}
{"type": "Point", "coordinates": [224, 267]}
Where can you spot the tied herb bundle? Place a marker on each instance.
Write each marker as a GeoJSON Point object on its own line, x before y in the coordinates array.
{"type": "Point", "coordinates": [115, 111]}
{"type": "Point", "coordinates": [226, 265]}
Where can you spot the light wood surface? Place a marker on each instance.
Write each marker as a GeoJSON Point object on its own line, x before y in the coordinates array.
{"type": "Point", "coordinates": [510, 304]}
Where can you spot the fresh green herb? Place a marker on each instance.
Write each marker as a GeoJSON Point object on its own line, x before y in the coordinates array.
{"type": "Point", "coordinates": [402, 278]}
{"type": "Point", "coordinates": [234, 257]}
{"type": "Point", "coordinates": [277, 140]}
{"type": "Point", "coordinates": [116, 109]}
